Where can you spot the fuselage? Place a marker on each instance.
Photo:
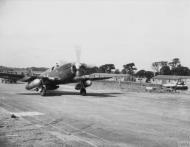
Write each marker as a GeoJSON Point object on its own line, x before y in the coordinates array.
{"type": "Point", "coordinates": [61, 74]}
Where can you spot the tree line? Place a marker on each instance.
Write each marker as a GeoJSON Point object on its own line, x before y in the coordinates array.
{"type": "Point", "coordinates": [129, 68]}
{"type": "Point", "coordinates": [174, 67]}
{"type": "Point", "coordinates": [109, 68]}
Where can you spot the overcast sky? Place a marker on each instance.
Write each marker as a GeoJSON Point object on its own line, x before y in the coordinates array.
{"type": "Point", "coordinates": [42, 32]}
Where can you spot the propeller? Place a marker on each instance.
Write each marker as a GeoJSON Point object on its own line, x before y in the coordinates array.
{"type": "Point", "coordinates": [78, 63]}
{"type": "Point", "coordinates": [78, 57]}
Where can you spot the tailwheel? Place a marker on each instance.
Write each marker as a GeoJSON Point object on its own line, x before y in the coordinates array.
{"type": "Point", "coordinates": [83, 91]}
{"type": "Point", "coordinates": [43, 91]}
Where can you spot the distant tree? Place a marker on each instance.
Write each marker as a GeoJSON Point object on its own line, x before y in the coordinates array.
{"type": "Point", "coordinates": [156, 73]}
{"type": "Point", "coordinates": [101, 69]}
{"type": "Point", "coordinates": [110, 67]}
{"type": "Point", "coordinates": [181, 71]}
{"type": "Point", "coordinates": [117, 71]}
{"type": "Point", "coordinates": [149, 75]}
{"type": "Point", "coordinates": [107, 68]}
{"type": "Point", "coordinates": [129, 68]}
{"type": "Point", "coordinates": [141, 73]}
{"type": "Point", "coordinates": [145, 74]}
{"type": "Point", "coordinates": [163, 63]}
{"type": "Point", "coordinates": [123, 71]}
{"type": "Point", "coordinates": [85, 70]}
{"type": "Point", "coordinates": [165, 70]}
{"type": "Point", "coordinates": [172, 68]}
{"type": "Point", "coordinates": [91, 70]}
{"type": "Point", "coordinates": [156, 66]}
{"type": "Point", "coordinates": [175, 63]}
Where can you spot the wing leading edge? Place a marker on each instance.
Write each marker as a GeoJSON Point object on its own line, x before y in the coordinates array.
{"type": "Point", "coordinates": [92, 78]}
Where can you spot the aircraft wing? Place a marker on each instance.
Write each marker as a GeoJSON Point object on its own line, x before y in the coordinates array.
{"type": "Point", "coordinates": [18, 77]}
{"type": "Point", "coordinates": [28, 78]}
{"type": "Point", "coordinates": [92, 78]}
{"type": "Point", "coordinates": [47, 80]}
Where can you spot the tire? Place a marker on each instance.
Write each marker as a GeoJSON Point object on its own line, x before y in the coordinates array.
{"type": "Point", "coordinates": [83, 91]}
{"type": "Point", "coordinates": [43, 91]}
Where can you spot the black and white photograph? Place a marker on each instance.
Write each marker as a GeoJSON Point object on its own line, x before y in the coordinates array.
{"type": "Point", "coordinates": [94, 73]}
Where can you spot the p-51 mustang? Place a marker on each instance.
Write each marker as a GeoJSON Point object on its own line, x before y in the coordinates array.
{"type": "Point", "coordinates": [57, 75]}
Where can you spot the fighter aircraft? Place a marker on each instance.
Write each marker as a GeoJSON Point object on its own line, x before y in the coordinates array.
{"type": "Point", "coordinates": [60, 74]}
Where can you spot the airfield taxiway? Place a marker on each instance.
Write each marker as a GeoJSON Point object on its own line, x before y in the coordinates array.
{"type": "Point", "coordinates": [103, 118]}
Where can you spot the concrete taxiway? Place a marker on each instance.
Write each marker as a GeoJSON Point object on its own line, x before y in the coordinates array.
{"type": "Point", "coordinates": [109, 118]}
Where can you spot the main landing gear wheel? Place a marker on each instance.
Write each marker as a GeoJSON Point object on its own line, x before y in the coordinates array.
{"type": "Point", "coordinates": [43, 91]}
{"type": "Point", "coordinates": [83, 91]}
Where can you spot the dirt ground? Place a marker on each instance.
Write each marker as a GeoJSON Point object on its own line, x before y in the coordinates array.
{"type": "Point", "coordinates": [106, 117]}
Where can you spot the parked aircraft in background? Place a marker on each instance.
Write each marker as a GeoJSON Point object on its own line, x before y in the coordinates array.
{"type": "Point", "coordinates": [10, 77]}
{"type": "Point", "coordinates": [14, 76]}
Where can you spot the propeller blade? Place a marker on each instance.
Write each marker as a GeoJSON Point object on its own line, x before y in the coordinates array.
{"type": "Point", "coordinates": [78, 54]}
{"type": "Point", "coordinates": [78, 57]}
{"type": "Point", "coordinates": [78, 63]}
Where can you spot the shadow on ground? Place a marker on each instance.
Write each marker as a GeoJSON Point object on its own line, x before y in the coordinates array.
{"type": "Point", "coordinates": [60, 93]}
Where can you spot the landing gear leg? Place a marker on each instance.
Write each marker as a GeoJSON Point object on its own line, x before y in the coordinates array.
{"type": "Point", "coordinates": [43, 91]}
{"type": "Point", "coordinates": [83, 91]}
